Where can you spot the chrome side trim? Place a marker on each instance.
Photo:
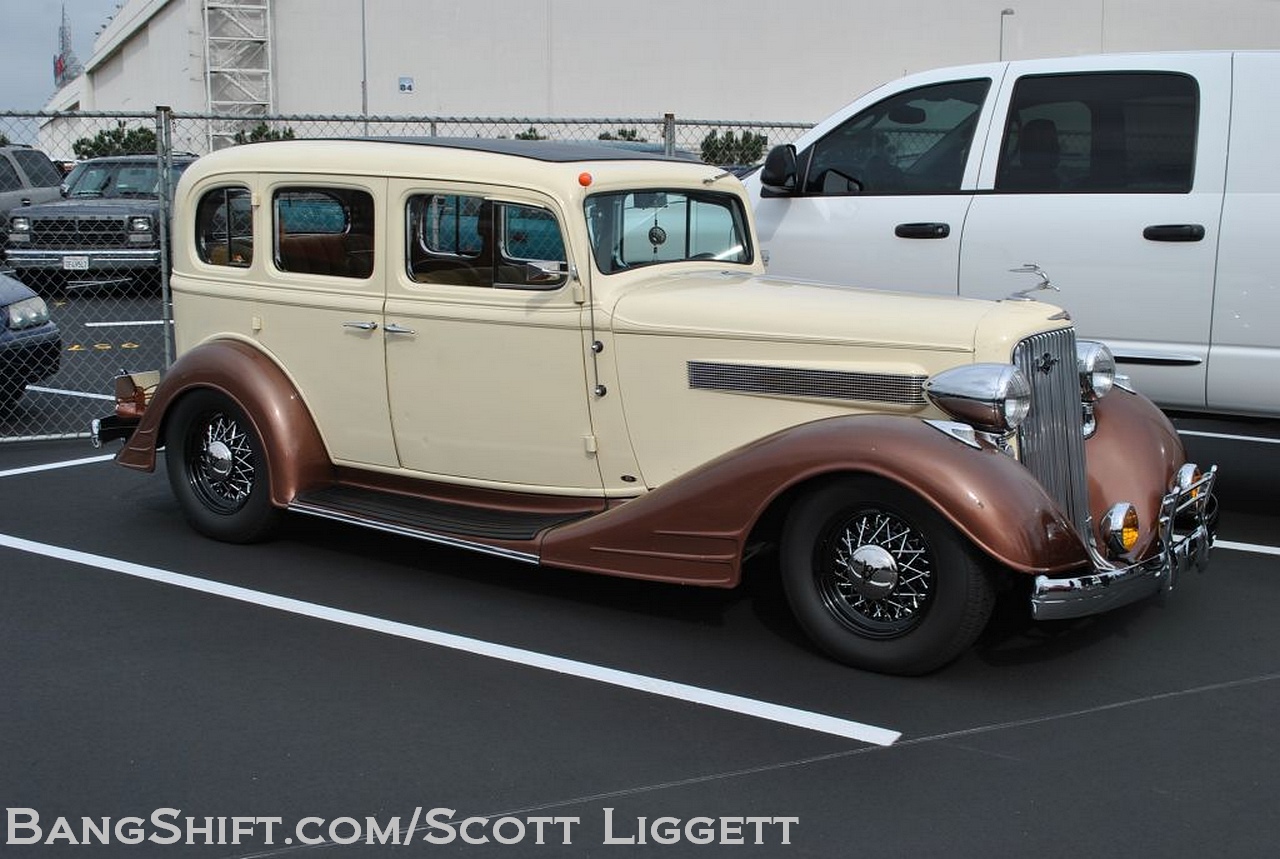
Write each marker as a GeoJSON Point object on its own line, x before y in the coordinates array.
{"type": "Point", "coordinates": [402, 531]}
{"type": "Point", "coordinates": [893, 388]}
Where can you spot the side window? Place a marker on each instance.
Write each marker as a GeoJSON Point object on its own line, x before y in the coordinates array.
{"type": "Point", "coordinates": [9, 179]}
{"type": "Point", "coordinates": [472, 241]}
{"type": "Point", "coordinates": [224, 227]}
{"type": "Point", "coordinates": [42, 172]}
{"type": "Point", "coordinates": [915, 142]}
{"type": "Point", "coordinates": [1109, 133]}
{"type": "Point", "coordinates": [324, 231]}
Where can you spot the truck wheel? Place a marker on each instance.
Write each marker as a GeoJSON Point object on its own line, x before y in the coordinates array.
{"type": "Point", "coordinates": [879, 580]}
{"type": "Point", "coordinates": [217, 469]}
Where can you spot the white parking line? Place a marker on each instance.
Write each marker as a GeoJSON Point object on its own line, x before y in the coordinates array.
{"type": "Point", "coordinates": [584, 670]}
{"type": "Point", "coordinates": [1246, 547]}
{"type": "Point", "coordinates": [1229, 437]}
{"type": "Point", "coordinates": [64, 392]}
{"type": "Point", "coordinates": [125, 323]}
{"type": "Point", "coordinates": [53, 466]}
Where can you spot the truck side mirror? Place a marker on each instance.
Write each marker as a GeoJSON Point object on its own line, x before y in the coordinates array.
{"type": "Point", "coordinates": [779, 171]}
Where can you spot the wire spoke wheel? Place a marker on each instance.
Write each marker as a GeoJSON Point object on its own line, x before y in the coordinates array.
{"type": "Point", "coordinates": [878, 579]}
{"type": "Point", "coordinates": [875, 573]}
{"type": "Point", "coordinates": [218, 470]}
{"type": "Point", "coordinates": [220, 462]}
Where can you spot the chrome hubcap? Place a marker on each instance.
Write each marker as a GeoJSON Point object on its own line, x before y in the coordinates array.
{"type": "Point", "coordinates": [875, 573]}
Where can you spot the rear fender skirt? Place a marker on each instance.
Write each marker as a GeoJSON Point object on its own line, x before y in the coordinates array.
{"type": "Point", "coordinates": [694, 528]}
{"type": "Point", "coordinates": [296, 456]}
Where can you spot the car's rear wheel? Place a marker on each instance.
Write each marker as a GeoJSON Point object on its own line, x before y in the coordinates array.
{"type": "Point", "coordinates": [217, 469]}
{"type": "Point", "coordinates": [879, 580]}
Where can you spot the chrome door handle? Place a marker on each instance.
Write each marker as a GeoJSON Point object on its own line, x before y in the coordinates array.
{"type": "Point", "coordinates": [362, 326]}
{"type": "Point", "coordinates": [398, 329]}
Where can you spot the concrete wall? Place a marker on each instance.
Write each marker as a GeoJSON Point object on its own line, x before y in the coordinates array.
{"type": "Point", "coordinates": [710, 59]}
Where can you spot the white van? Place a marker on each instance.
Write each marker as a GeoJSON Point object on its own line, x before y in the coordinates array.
{"type": "Point", "coordinates": [1144, 186]}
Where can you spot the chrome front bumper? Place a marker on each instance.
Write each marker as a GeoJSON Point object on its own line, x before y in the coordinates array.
{"type": "Point", "coordinates": [1187, 520]}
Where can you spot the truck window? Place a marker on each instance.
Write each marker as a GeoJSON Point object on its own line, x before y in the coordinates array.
{"type": "Point", "coordinates": [914, 142]}
{"type": "Point", "coordinates": [1108, 133]}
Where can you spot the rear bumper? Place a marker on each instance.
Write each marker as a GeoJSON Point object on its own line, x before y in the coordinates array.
{"type": "Point", "coordinates": [1187, 521]}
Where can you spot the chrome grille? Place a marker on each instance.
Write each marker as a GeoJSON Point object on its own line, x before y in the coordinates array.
{"type": "Point", "coordinates": [890, 388]}
{"type": "Point", "coordinates": [1051, 440]}
{"type": "Point", "coordinates": [78, 233]}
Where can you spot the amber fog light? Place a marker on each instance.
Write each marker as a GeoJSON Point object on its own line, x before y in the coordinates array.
{"type": "Point", "coordinates": [1187, 477]}
{"type": "Point", "coordinates": [1120, 528]}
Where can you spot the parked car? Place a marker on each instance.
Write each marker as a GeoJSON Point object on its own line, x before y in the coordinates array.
{"type": "Point", "coordinates": [1141, 185]}
{"type": "Point", "coordinates": [569, 355]}
{"type": "Point", "coordinates": [26, 176]}
{"type": "Point", "coordinates": [106, 232]}
{"type": "Point", "coordinates": [30, 345]}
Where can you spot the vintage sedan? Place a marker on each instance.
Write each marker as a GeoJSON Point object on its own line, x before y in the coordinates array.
{"type": "Point", "coordinates": [571, 356]}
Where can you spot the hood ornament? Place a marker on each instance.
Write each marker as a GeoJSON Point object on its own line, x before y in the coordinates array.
{"type": "Point", "coordinates": [1045, 283]}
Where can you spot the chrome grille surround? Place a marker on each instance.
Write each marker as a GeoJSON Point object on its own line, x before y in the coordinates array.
{"type": "Point", "coordinates": [891, 388]}
{"type": "Point", "coordinates": [1051, 440]}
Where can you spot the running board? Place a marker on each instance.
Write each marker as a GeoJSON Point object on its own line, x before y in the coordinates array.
{"type": "Point", "coordinates": [457, 525]}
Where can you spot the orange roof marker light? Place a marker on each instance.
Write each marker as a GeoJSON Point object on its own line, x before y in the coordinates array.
{"type": "Point", "coordinates": [584, 179]}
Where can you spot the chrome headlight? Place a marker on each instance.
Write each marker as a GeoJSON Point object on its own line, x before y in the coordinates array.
{"type": "Point", "coordinates": [27, 313]}
{"type": "Point", "coordinates": [19, 224]}
{"type": "Point", "coordinates": [139, 224]}
{"type": "Point", "coordinates": [993, 398]}
{"type": "Point", "coordinates": [1097, 370]}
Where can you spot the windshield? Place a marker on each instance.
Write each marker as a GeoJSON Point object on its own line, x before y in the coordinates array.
{"type": "Point", "coordinates": [638, 228]}
{"type": "Point", "coordinates": [117, 179]}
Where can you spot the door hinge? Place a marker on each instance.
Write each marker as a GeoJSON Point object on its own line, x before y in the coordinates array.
{"type": "Point", "coordinates": [590, 443]}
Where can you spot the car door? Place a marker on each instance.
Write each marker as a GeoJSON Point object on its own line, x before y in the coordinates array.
{"type": "Point", "coordinates": [882, 190]}
{"type": "Point", "coordinates": [1109, 174]}
{"type": "Point", "coordinates": [319, 308]}
{"type": "Point", "coordinates": [485, 344]}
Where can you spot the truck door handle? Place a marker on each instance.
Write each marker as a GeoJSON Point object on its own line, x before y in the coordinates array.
{"type": "Point", "coordinates": [1174, 233]}
{"type": "Point", "coordinates": [922, 231]}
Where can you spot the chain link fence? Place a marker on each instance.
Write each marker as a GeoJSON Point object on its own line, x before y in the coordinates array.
{"type": "Point", "coordinates": [88, 233]}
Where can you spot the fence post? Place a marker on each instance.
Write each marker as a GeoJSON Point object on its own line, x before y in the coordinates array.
{"type": "Point", "coordinates": [669, 133]}
{"type": "Point", "coordinates": [164, 155]}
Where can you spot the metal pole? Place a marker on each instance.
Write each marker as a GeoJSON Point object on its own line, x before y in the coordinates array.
{"type": "Point", "coordinates": [364, 71]}
{"type": "Point", "coordinates": [1004, 13]}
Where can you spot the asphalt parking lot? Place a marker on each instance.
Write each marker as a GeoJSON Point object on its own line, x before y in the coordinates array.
{"type": "Point", "coordinates": [335, 686]}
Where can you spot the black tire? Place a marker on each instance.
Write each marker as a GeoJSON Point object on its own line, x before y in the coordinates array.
{"type": "Point", "coordinates": [921, 595]}
{"type": "Point", "coordinates": [217, 469]}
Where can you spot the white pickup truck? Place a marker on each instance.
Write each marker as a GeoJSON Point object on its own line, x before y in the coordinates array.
{"type": "Point", "coordinates": [1145, 186]}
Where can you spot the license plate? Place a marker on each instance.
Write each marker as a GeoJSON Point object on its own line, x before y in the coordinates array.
{"type": "Point", "coordinates": [75, 263]}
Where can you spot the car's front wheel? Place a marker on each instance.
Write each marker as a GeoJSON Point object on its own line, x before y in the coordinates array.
{"type": "Point", "coordinates": [217, 469]}
{"type": "Point", "coordinates": [879, 580]}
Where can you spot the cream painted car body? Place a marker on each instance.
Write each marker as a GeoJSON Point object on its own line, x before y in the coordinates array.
{"type": "Point", "coordinates": [573, 356]}
{"type": "Point", "coordinates": [441, 402]}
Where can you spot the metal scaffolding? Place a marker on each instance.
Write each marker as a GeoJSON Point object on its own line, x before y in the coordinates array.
{"type": "Point", "coordinates": [237, 66]}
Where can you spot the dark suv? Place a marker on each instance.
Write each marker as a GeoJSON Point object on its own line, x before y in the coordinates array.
{"type": "Point", "coordinates": [106, 232]}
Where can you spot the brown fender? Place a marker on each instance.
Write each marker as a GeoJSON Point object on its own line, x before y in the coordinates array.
{"type": "Point", "coordinates": [1132, 457]}
{"type": "Point", "coordinates": [694, 529]}
{"type": "Point", "coordinates": [296, 455]}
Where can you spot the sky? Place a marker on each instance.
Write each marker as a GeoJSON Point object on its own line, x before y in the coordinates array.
{"type": "Point", "coordinates": [29, 40]}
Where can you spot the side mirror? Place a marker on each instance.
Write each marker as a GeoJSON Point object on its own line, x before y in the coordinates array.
{"type": "Point", "coordinates": [779, 171]}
